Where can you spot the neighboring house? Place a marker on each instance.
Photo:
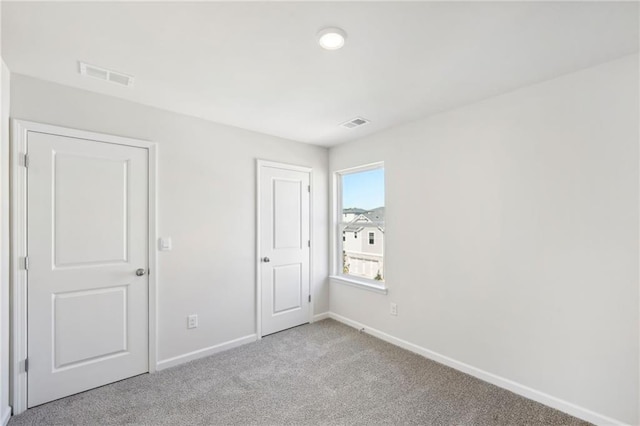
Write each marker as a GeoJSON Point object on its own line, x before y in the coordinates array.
{"type": "Point", "coordinates": [363, 242]}
{"type": "Point", "coordinates": [351, 213]}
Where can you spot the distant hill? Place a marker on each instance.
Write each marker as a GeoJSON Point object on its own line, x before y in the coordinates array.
{"type": "Point", "coordinates": [353, 210]}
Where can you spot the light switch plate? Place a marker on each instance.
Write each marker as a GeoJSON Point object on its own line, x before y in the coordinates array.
{"type": "Point", "coordinates": [192, 321]}
{"type": "Point", "coordinates": [165, 244]}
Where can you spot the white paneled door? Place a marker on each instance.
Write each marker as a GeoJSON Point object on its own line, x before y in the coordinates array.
{"type": "Point", "coordinates": [284, 246]}
{"type": "Point", "coordinates": [87, 226]}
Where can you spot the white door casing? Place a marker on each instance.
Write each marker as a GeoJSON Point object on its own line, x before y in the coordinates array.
{"type": "Point", "coordinates": [283, 247]}
{"type": "Point", "coordinates": [89, 203]}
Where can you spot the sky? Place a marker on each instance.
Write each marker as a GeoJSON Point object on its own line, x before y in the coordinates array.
{"type": "Point", "coordinates": [364, 189]}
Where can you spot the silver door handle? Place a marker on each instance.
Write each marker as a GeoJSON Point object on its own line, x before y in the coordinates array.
{"type": "Point", "coordinates": [266, 259]}
{"type": "Point", "coordinates": [140, 272]}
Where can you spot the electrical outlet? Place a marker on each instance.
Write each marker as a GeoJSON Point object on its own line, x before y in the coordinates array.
{"type": "Point", "coordinates": [192, 321]}
{"type": "Point", "coordinates": [394, 309]}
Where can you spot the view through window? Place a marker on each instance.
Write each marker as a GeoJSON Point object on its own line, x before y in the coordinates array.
{"type": "Point", "coordinates": [361, 229]}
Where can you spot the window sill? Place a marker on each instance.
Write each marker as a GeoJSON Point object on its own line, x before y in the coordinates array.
{"type": "Point", "coordinates": [359, 284]}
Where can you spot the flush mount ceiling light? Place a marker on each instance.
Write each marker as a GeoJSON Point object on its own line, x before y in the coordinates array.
{"type": "Point", "coordinates": [331, 38]}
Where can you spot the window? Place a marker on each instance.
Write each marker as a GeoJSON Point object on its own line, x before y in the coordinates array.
{"type": "Point", "coordinates": [361, 209]}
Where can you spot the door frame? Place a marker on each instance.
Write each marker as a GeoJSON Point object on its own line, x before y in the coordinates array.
{"type": "Point", "coordinates": [18, 246]}
{"type": "Point", "coordinates": [265, 163]}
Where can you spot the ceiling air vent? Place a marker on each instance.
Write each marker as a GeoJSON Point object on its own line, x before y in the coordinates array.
{"type": "Point", "coordinates": [106, 75]}
{"type": "Point", "coordinates": [356, 122]}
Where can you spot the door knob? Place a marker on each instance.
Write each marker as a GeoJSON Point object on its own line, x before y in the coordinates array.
{"type": "Point", "coordinates": [266, 259]}
{"type": "Point", "coordinates": [140, 272]}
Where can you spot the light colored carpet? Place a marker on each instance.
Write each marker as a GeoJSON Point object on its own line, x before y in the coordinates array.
{"type": "Point", "coordinates": [323, 373]}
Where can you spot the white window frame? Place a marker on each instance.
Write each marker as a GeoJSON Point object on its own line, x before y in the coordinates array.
{"type": "Point", "coordinates": [337, 274]}
{"type": "Point", "coordinates": [372, 237]}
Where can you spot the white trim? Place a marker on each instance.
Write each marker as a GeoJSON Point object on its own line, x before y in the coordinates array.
{"type": "Point", "coordinates": [18, 280]}
{"type": "Point", "coordinates": [321, 316]}
{"type": "Point", "coordinates": [4, 420]}
{"type": "Point", "coordinates": [312, 245]}
{"type": "Point", "coordinates": [284, 166]}
{"type": "Point", "coordinates": [257, 260]}
{"type": "Point", "coordinates": [361, 284]}
{"type": "Point", "coordinates": [363, 168]}
{"type": "Point", "coordinates": [263, 163]}
{"type": "Point", "coordinates": [31, 126]}
{"type": "Point", "coordinates": [201, 353]}
{"type": "Point", "coordinates": [527, 392]}
{"type": "Point", "coordinates": [334, 220]}
{"type": "Point", "coordinates": [153, 256]}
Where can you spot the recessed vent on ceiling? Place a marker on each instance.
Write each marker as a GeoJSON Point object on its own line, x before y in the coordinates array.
{"type": "Point", "coordinates": [356, 122]}
{"type": "Point", "coordinates": [106, 75]}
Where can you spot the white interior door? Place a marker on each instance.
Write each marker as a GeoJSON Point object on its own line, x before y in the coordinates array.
{"type": "Point", "coordinates": [87, 226]}
{"type": "Point", "coordinates": [284, 247]}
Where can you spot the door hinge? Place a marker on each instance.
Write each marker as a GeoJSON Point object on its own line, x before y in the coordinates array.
{"type": "Point", "coordinates": [25, 160]}
{"type": "Point", "coordinates": [309, 298]}
{"type": "Point", "coordinates": [26, 365]}
{"type": "Point", "coordinates": [308, 243]}
{"type": "Point", "coordinates": [26, 263]}
{"type": "Point", "coordinates": [308, 188]}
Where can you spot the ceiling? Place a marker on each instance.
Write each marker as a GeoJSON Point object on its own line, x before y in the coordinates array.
{"type": "Point", "coordinates": [257, 65]}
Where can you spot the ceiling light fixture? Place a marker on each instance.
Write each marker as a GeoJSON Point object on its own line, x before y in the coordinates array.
{"type": "Point", "coordinates": [331, 38]}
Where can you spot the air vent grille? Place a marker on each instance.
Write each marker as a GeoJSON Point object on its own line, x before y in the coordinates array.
{"type": "Point", "coordinates": [356, 122]}
{"type": "Point", "coordinates": [106, 75]}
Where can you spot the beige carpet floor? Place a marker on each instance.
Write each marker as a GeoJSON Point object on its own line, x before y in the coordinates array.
{"type": "Point", "coordinates": [317, 374]}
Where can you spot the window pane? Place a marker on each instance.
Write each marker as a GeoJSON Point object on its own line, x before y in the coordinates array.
{"type": "Point", "coordinates": [362, 191]}
{"type": "Point", "coordinates": [362, 228]}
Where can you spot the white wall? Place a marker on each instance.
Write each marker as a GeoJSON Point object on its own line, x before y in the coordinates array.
{"type": "Point", "coordinates": [5, 410]}
{"type": "Point", "coordinates": [206, 204]}
{"type": "Point", "coordinates": [526, 265]}
{"type": "Point", "coordinates": [4, 242]}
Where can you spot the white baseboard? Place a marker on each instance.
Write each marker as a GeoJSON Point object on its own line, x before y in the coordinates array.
{"type": "Point", "coordinates": [527, 392]}
{"type": "Point", "coordinates": [6, 415]}
{"type": "Point", "coordinates": [321, 316]}
{"type": "Point", "coordinates": [201, 353]}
